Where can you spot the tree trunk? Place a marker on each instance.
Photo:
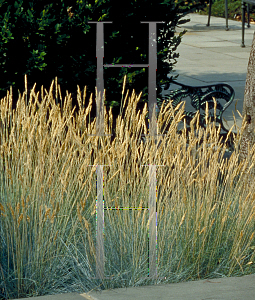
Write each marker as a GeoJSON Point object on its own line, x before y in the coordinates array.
{"type": "Point", "coordinates": [248, 136]}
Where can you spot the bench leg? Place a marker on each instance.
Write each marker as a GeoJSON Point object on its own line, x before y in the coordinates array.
{"type": "Point", "coordinates": [226, 14]}
{"type": "Point", "coordinates": [243, 23]}
{"type": "Point", "coordinates": [248, 12]}
{"type": "Point", "coordinates": [210, 9]}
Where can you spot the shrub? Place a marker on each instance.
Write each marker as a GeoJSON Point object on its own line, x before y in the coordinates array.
{"type": "Point", "coordinates": [46, 39]}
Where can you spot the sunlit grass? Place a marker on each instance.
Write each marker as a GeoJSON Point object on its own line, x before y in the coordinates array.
{"type": "Point", "coordinates": [205, 205]}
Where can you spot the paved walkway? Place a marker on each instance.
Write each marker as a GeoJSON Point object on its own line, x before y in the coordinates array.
{"type": "Point", "coordinates": [210, 55]}
{"type": "Point", "coordinates": [234, 288]}
{"type": "Point", "coordinates": [207, 55]}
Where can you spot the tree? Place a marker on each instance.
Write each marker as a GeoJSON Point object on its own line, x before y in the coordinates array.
{"type": "Point", "coordinates": [248, 135]}
{"type": "Point", "coordinates": [45, 39]}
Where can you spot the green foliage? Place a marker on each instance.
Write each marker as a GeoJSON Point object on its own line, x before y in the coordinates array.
{"type": "Point", "coordinates": [36, 40]}
{"type": "Point", "coordinates": [46, 39]}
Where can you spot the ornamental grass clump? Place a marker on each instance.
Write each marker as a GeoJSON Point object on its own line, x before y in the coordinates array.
{"type": "Point", "coordinates": [48, 192]}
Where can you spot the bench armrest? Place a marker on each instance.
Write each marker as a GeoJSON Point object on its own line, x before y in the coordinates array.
{"type": "Point", "coordinates": [199, 96]}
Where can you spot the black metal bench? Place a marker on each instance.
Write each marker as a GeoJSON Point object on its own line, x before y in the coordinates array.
{"type": "Point", "coordinates": [243, 6]}
{"type": "Point", "coordinates": [226, 13]}
{"type": "Point", "coordinates": [248, 2]}
{"type": "Point", "coordinates": [199, 96]}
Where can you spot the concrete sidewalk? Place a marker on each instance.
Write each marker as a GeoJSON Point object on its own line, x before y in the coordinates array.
{"type": "Point", "coordinates": [233, 288]}
{"type": "Point", "coordinates": [208, 55]}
